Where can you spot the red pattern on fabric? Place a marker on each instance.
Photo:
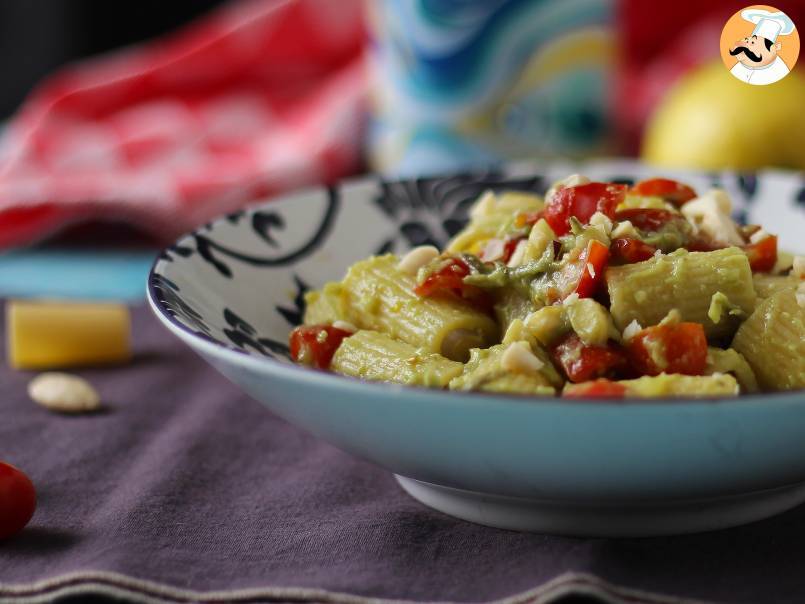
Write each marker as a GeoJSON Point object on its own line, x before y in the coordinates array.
{"type": "Point", "coordinates": [254, 99]}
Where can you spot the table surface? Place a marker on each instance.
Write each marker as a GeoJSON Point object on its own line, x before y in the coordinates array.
{"type": "Point", "coordinates": [183, 482]}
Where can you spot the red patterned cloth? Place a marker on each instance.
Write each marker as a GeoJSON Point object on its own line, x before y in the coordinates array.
{"type": "Point", "coordinates": [258, 97]}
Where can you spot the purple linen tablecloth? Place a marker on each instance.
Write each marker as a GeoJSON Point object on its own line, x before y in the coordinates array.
{"type": "Point", "coordinates": [185, 489]}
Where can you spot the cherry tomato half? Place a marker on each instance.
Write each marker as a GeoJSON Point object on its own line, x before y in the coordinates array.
{"type": "Point", "coordinates": [582, 202]}
{"type": "Point", "coordinates": [670, 190]}
{"type": "Point", "coordinates": [680, 348]}
{"type": "Point", "coordinates": [315, 345]}
{"type": "Point", "coordinates": [17, 500]}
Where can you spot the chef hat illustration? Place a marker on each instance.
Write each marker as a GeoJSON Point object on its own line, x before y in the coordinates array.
{"type": "Point", "coordinates": [768, 25]}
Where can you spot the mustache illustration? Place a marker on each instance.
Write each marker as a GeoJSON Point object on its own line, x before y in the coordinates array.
{"type": "Point", "coordinates": [743, 49]}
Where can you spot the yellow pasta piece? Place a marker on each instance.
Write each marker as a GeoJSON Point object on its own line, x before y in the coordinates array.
{"type": "Point", "coordinates": [772, 340]}
{"type": "Point", "coordinates": [511, 304]}
{"type": "Point", "coordinates": [686, 281]}
{"type": "Point", "coordinates": [380, 297]}
{"type": "Point", "coordinates": [485, 372]}
{"type": "Point", "coordinates": [731, 361]}
{"type": "Point", "coordinates": [374, 356]}
{"type": "Point", "coordinates": [489, 218]}
{"type": "Point", "coordinates": [766, 284]}
{"type": "Point", "coordinates": [326, 306]}
{"type": "Point", "coordinates": [47, 335]}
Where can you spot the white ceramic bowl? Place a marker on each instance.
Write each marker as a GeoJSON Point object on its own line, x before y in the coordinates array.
{"type": "Point", "coordinates": [233, 290]}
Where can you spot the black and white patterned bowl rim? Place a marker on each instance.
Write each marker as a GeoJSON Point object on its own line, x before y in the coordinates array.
{"type": "Point", "coordinates": [427, 210]}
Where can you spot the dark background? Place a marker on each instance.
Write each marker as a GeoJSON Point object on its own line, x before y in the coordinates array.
{"type": "Point", "coordinates": [37, 36]}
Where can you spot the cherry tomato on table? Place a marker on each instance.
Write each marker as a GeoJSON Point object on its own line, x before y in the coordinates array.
{"type": "Point", "coordinates": [315, 345]}
{"type": "Point", "coordinates": [17, 500]}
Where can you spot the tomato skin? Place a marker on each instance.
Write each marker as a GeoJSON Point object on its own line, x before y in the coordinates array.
{"type": "Point", "coordinates": [628, 251]}
{"type": "Point", "coordinates": [576, 276]}
{"type": "Point", "coordinates": [582, 202]}
{"type": "Point", "coordinates": [683, 346]}
{"type": "Point", "coordinates": [646, 219]}
{"type": "Point", "coordinates": [582, 363]}
{"type": "Point", "coordinates": [600, 388]}
{"type": "Point", "coordinates": [309, 347]}
{"type": "Point", "coordinates": [449, 281]}
{"type": "Point", "coordinates": [449, 278]}
{"type": "Point", "coordinates": [670, 190]}
{"type": "Point", "coordinates": [762, 255]}
{"type": "Point", "coordinates": [17, 500]}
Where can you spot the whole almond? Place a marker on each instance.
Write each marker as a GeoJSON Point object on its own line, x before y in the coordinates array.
{"type": "Point", "coordinates": [64, 393]}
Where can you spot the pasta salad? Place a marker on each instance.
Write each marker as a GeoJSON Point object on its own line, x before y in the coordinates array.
{"type": "Point", "coordinates": [597, 290]}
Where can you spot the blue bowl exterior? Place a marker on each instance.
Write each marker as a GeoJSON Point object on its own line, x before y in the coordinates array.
{"type": "Point", "coordinates": [547, 448]}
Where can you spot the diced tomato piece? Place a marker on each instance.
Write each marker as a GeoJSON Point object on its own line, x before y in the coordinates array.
{"type": "Point", "coordinates": [763, 254]}
{"type": "Point", "coordinates": [646, 219]}
{"type": "Point", "coordinates": [315, 345]}
{"type": "Point", "coordinates": [670, 190]}
{"type": "Point", "coordinates": [629, 251]}
{"type": "Point", "coordinates": [448, 279]}
{"type": "Point", "coordinates": [528, 218]}
{"type": "Point", "coordinates": [582, 363]}
{"type": "Point", "coordinates": [600, 388]}
{"type": "Point", "coordinates": [679, 348]}
{"type": "Point", "coordinates": [583, 275]}
{"type": "Point", "coordinates": [582, 202]}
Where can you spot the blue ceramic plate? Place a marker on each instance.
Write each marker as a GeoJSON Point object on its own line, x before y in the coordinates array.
{"type": "Point", "coordinates": [234, 288]}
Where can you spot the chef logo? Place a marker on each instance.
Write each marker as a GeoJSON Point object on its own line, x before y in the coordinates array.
{"type": "Point", "coordinates": [759, 45]}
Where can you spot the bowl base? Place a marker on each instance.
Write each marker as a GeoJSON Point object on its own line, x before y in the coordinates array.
{"type": "Point", "coordinates": [605, 519]}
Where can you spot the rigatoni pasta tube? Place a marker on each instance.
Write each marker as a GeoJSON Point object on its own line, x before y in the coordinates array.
{"type": "Point", "coordinates": [380, 297]}
{"type": "Point", "coordinates": [371, 355]}
{"type": "Point", "coordinates": [772, 340]}
{"type": "Point", "coordinates": [489, 216]}
{"type": "Point", "coordinates": [686, 281]}
{"type": "Point", "coordinates": [766, 285]}
{"type": "Point", "coordinates": [326, 306]}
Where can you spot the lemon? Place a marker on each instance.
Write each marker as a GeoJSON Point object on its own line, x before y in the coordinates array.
{"type": "Point", "coordinates": [711, 120]}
